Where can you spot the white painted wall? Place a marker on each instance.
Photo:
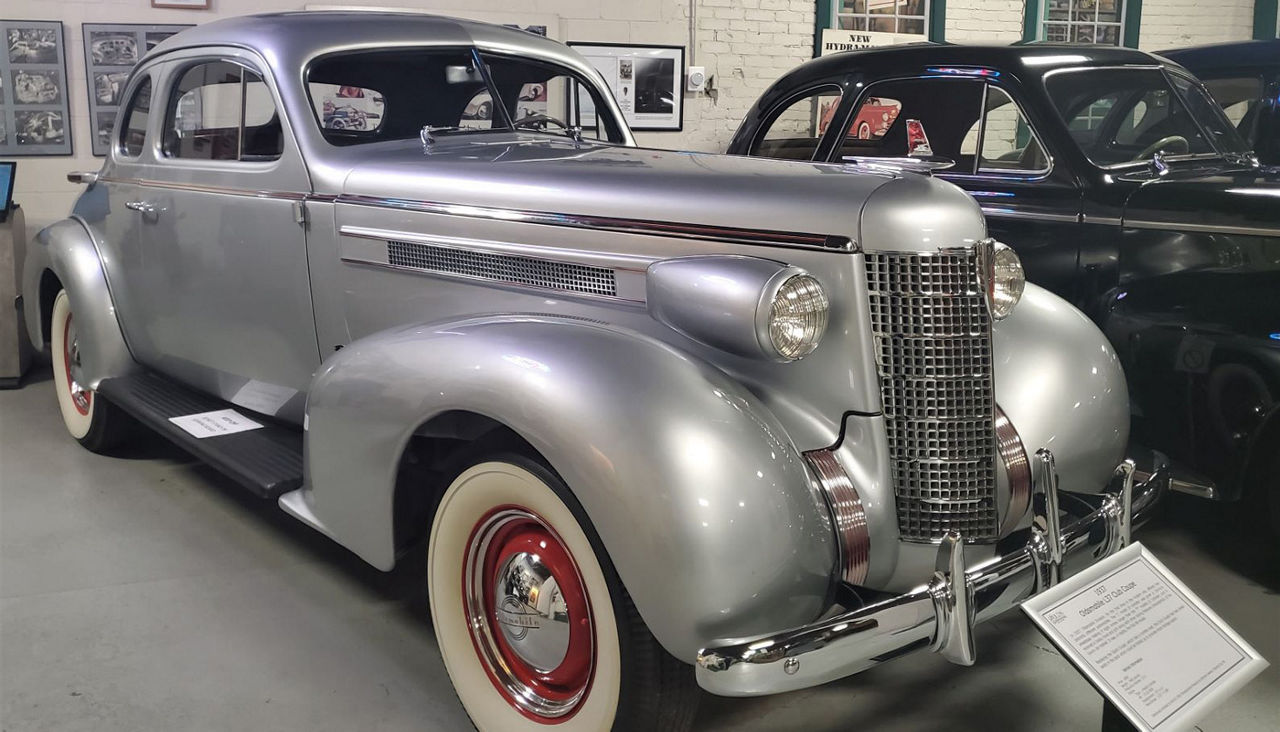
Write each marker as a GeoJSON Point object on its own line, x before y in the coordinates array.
{"type": "Point", "coordinates": [744, 45]}
{"type": "Point", "coordinates": [984, 21]}
{"type": "Point", "coordinates": [1177, 23]}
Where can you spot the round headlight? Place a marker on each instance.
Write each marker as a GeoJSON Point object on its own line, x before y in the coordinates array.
{"type": "Point", "coordinates": [1007, 281]}
{"type": "Point", "coordinates": [796, 318]}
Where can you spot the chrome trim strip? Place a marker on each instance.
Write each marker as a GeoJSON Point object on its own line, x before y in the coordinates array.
{"type": "Point", "coordinates": [1016, 465]}
{"type": "Point", "coordinates": [221, 190]}
{"type": "Point", "coordinates": [1013, 213]}
{"type": "Point", "coordinates": [847, 513]}
{"type": "Point", "coordinates": [938, 615]}
{"type": "Point", "coordinates": [635, 264]}
{"type": "Point", "coordinates": [1201, 228]}
{"type": "Point", "coordinates": [605, 223]}
{"type": "Point", "coordinates": [1103, 220]}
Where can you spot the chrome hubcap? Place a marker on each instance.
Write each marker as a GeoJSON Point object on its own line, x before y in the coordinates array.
{"type": "Point", "coordinates": [531, 612]}
{"type": "Point", "coordinates": [529, 615]}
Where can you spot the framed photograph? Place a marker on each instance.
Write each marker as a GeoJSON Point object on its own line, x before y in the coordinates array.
{"type": "Point", "coordinates": [182, 4]}
{"type": "Point", "coordinates": [647, 81]}
{"type": "Point", "coordinates": [111, 50]}
{"type": "Point", "coordinates": [34, 111]}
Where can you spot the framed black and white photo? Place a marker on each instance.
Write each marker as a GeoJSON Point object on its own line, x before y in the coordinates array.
{"type": "Point", "coordinates": [111, 50]}
{"type": "Point", "coordinates": [34, 115]}
{"type": "Point", "coordinates": [646, 81]}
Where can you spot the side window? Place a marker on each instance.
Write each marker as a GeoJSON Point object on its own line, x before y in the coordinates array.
{"type": "Point", "coordinates": [945, 111]}
{"type": "Point", "coordinates": [1007, 142]}
{"type": "Point", "coordinates": [133, 133]}
{"type": "Point", "coordinates": [794, 133]}
{"type": "Point", "coordinates": [222, 111]}
{"type": "Point", "coordinates": [1239, 97]}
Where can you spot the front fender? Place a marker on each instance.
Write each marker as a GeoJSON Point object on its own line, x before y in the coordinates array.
{"type": "Point", "coordinates": [701, 501]}
{"type": "Point", "coordinates": [67, 249]}
{"type": "Point", "coordinates": [1060, 383]}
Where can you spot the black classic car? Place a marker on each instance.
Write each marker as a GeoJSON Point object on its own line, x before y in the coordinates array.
{"type": "Point", "coordinates": [1121, 184]}
{"type": "Point", "coordinates": [1245, 79]}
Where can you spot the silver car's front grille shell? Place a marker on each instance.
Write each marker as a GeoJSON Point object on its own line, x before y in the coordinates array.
{"type": "Point", "coordinates": [932, 330]}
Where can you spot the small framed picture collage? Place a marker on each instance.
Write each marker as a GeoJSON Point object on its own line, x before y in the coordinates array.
{"type": "Point", "coordinates": [34, 112]}
{"type": "Point", "coordinates": [110, 53]}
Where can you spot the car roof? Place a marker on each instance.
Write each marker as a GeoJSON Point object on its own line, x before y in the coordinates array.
{"type": "Point", "coordinates": [1227, 55]}
{"type": "Point", "coordinates": [1037, 57]}
{"type": "Point", "coordinates": [288, 40]}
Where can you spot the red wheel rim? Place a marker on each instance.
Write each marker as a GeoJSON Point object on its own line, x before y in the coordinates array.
{"type": "Point", "coordinates": [529, 614]}
{"type": "Point", "coordinates": [81, 398]}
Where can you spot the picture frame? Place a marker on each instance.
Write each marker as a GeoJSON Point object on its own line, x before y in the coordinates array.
{"type": "Point", "coordinates": [35, 113]}
{"type": "Point", "coordinates": [181, 4]}
{"type": "Point", "coordinates": [647, 81]}
{"type": "Point", "coordinates": [111, 50]}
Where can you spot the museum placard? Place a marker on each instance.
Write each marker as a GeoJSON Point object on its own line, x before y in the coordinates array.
{"type": "Point", "coordinates": [1145, 640]}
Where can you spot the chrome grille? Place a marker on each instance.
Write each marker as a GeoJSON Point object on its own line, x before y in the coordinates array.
{"type": "Point", "coordinates": [503, 268]}
{"type": "Point", "coordinates": [932, 332]}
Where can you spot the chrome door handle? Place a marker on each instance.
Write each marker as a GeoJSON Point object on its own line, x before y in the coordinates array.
{"type": "Point", "coordinates": [140, 206]}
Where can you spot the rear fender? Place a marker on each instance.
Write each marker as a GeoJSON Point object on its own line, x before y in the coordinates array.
{"type": "Point", "coordinates": [703, 505]}
{"type": "Point", "coordinates": [67, 250]}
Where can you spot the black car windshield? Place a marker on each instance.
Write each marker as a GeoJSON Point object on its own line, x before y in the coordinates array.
{"type": "Point", "coordinates": [370, 96]}
{"type": "Point", "coordinates": [1123, 116]}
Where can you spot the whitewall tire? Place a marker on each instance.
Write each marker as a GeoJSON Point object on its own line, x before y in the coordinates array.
{"type": "Point", "coordinates": [534, 627]}
{"type": "Point", "coordinates": [94, 422]}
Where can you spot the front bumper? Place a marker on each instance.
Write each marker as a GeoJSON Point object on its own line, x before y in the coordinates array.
{"type": "Point", "coordinates": [939, 615]}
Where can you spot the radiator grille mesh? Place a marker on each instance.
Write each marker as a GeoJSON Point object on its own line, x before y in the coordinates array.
{"type": "Point", "coordinates": [933, 340]}
{"type": "Point", "coordinates": [503, 268]}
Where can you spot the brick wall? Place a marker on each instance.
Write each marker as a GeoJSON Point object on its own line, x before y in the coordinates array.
{"type": "Point", "coordinates": [984, 21]}
{"type": "Point", "coordinates": [1176, 23]}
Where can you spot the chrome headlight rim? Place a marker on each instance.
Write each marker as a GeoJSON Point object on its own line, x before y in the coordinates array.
{"type": "Point", "coordinates": [1006, 280]}
{"type": "Point", "coordinates": [786, 280]}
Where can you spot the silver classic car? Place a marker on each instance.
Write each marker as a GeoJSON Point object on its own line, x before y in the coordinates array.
{"type": "Point", "coordinates": [645, 410]}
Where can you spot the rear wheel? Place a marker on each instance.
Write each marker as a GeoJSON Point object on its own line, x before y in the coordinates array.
{"type": "Point", "coordinates": [534, 626]}
{"type": "Point", "coordinates": [96, 423]}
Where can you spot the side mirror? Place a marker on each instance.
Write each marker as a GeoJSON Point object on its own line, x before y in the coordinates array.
{"type": "Point", "coordinates": [82, 176]}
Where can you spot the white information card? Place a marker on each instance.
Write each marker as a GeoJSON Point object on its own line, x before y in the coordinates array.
{"type": "Point", "coordinates": [1144, 640]}
{"type": "Point", "coordinates": [215, 424]}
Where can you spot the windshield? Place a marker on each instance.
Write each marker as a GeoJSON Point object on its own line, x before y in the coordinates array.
{"type": "Point", "coordinates": [372, 96]}
{"type": "Point", "coordinates": [1123, 116]}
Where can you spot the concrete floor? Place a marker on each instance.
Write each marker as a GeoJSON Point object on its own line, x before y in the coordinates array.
{"type": "Point", "coordinates": [145, 592]}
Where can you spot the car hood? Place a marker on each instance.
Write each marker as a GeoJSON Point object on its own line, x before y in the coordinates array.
{"type": "Point", "coordinates": [539, 173]}
{"type": "Point", "coordinates": [1244, 200]}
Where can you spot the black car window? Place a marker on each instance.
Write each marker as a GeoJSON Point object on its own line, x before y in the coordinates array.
{"type": "Point", "coordinates": [1120, 116]}
{"type": "Point", "coordinates": [946, 110]}
{"type": "Point", "coordinates": [133, 132]}
{"type": "Point", "coordinates": [1239, 97]}
{"type": "Point", "coordinates": [222, 111]}
{"type": "Point", "coordinates": [796, 128]}
{"type": "Point", "coordinates": [1008, 143]}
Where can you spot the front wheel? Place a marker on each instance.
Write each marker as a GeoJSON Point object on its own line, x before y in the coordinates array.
{"type": "Point", "coordinates": [96, 424]}
{"type": "Point", "coordinates": [534, 626]}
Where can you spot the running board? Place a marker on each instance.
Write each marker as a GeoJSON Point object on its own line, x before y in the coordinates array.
{"type": "Point", "coordinates": [267, 461]}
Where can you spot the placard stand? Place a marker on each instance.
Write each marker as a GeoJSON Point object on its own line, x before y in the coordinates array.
{"type": "Point", "coordinates": [1113, 720]}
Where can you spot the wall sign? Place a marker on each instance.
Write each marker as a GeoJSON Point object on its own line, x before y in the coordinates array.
{"type": "Point", "coordinates": [34, 114]}
{"type": "Point", "coordinates": [835, 40]}
{"type": "Point", "coordinates": [110, 53]}
{"type": "Point", "coordinates": [1144, 640]}
{"type": "Point", "coordinates": [646, 81]}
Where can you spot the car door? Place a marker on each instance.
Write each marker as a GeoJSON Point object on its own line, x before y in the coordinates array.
{"type": "Point", "coordinates": [219, 288]}
{"type": "Point", "coordinates": [1030, 204]}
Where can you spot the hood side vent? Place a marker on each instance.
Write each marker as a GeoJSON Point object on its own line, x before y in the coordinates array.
{"type": "Point", "coordinates": [508, 268]}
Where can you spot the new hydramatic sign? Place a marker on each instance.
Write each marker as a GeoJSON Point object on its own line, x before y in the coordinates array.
{"type": "Point", "coordinates": [1139, 635]}
{"type": "Point", "coordinates": [838, 41]}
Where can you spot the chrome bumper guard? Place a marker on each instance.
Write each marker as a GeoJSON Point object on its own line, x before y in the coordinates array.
{"type": "Point", "coordinates": [939, 615]}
